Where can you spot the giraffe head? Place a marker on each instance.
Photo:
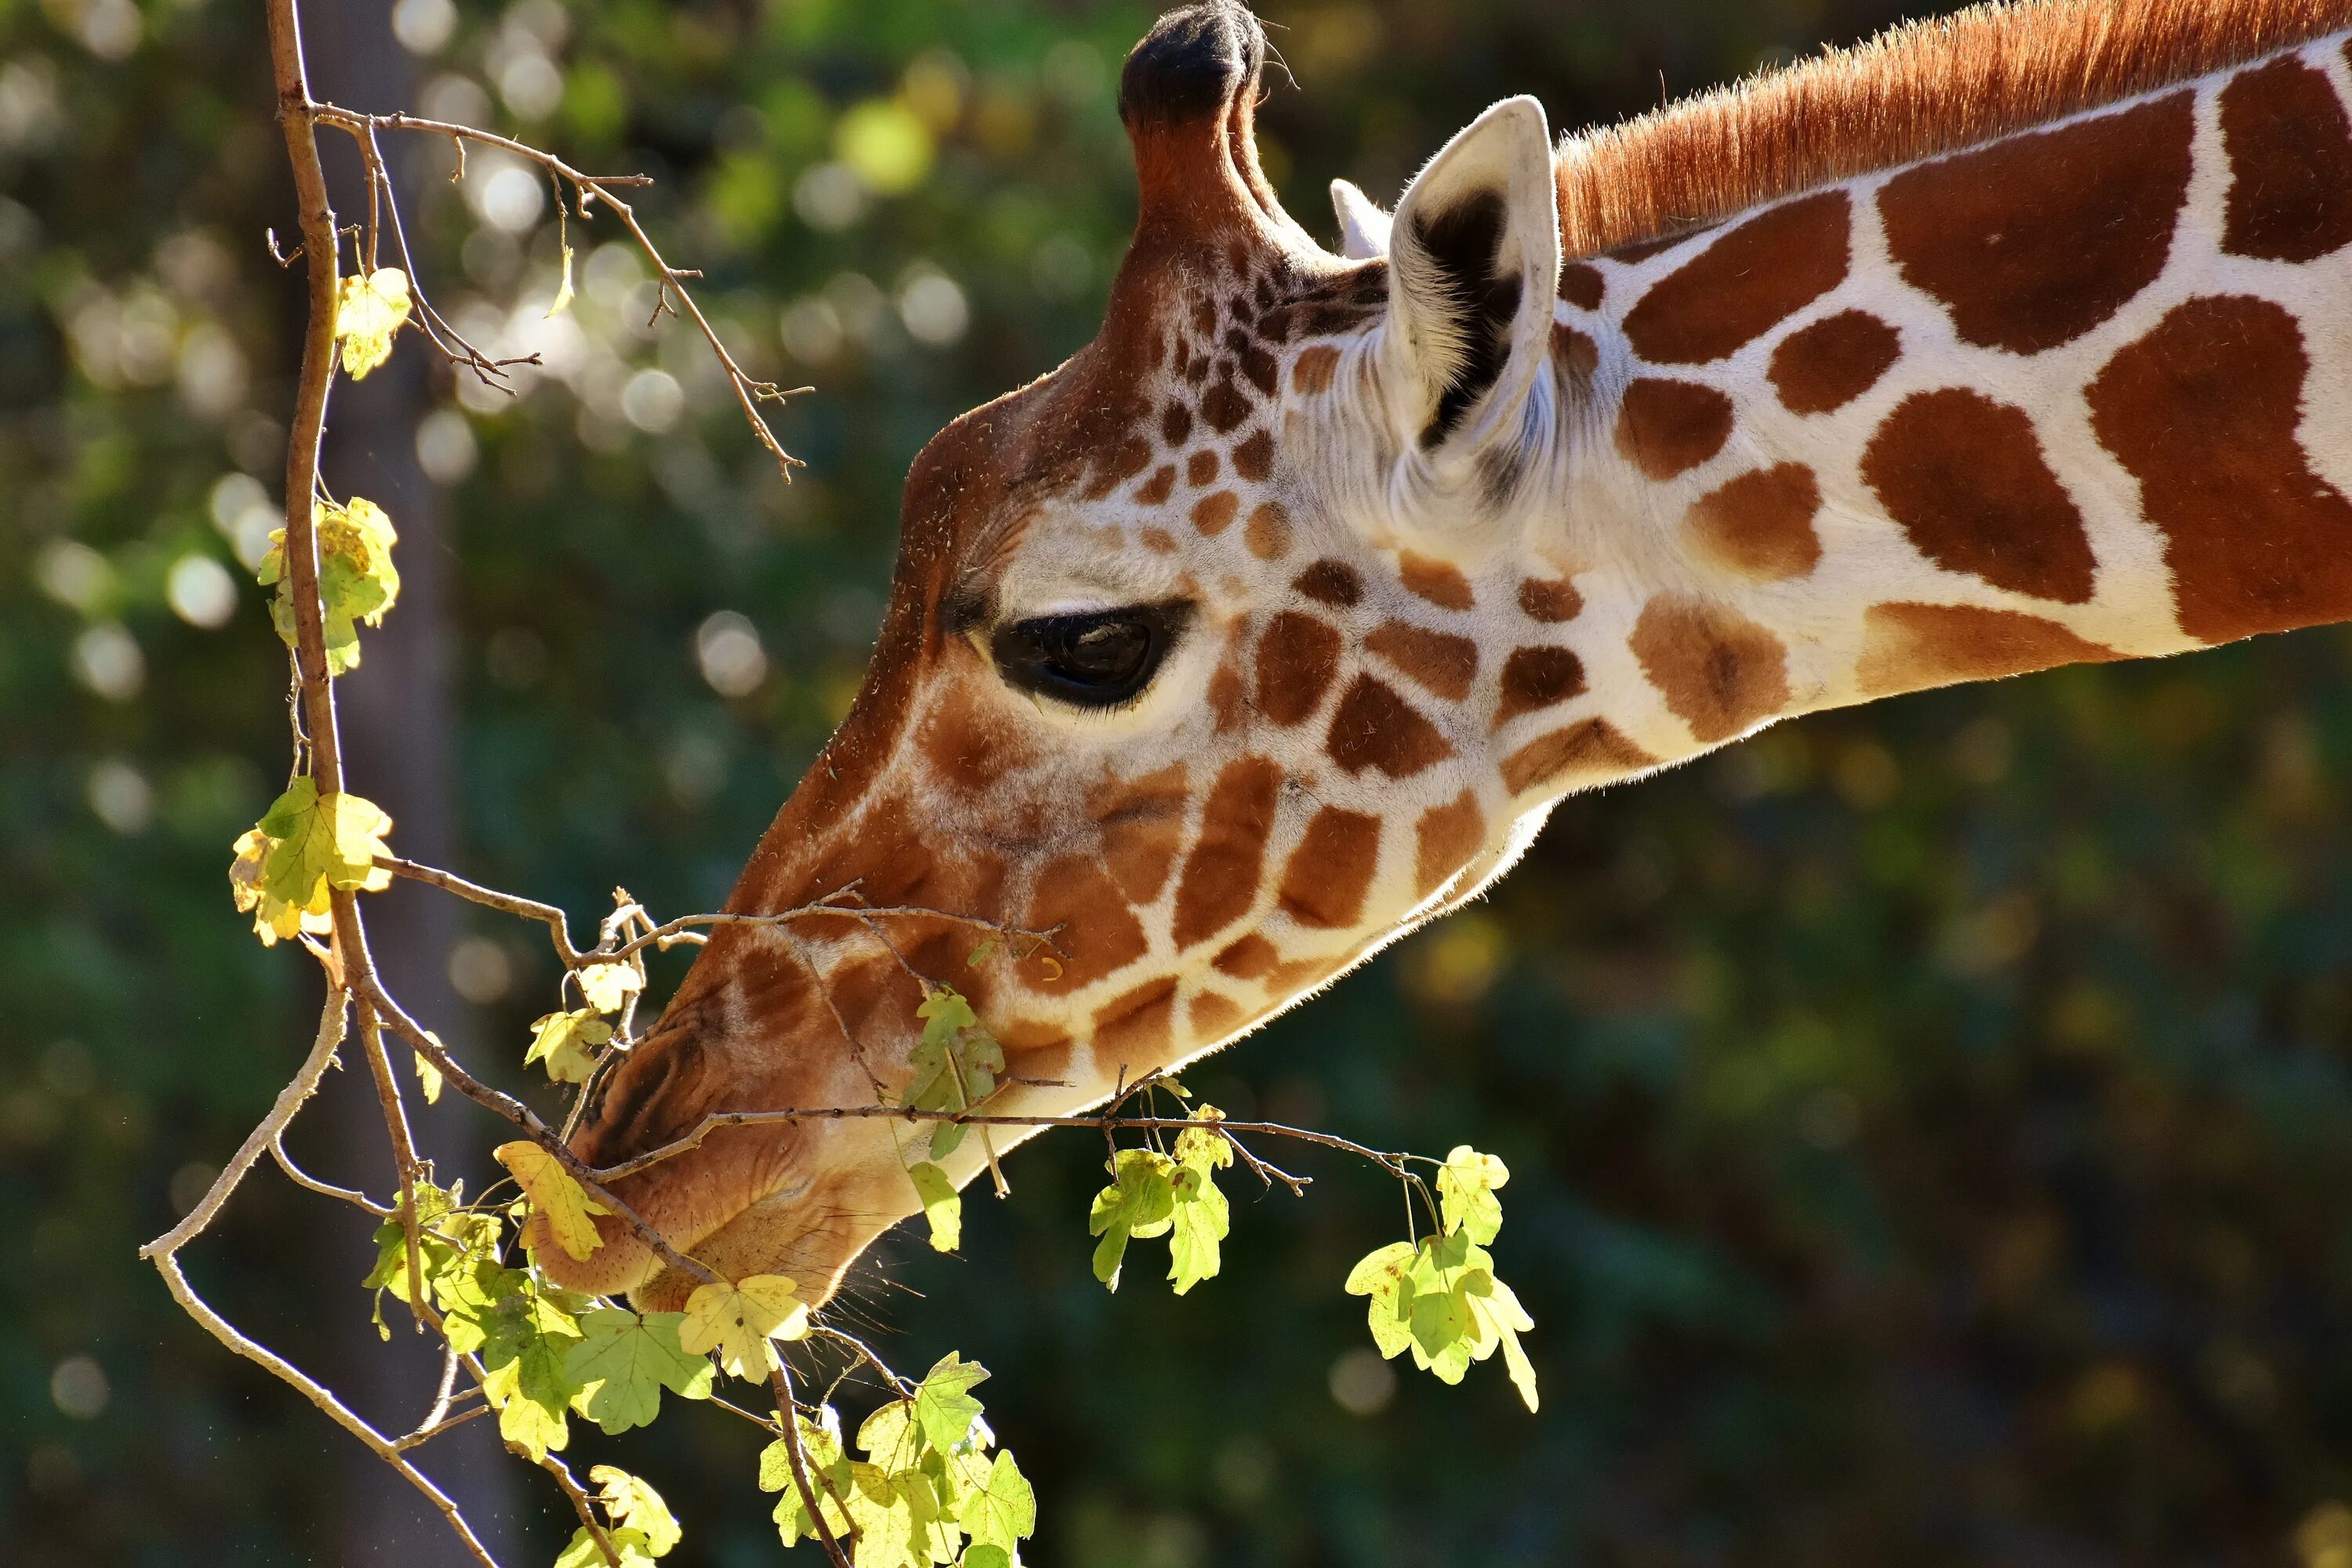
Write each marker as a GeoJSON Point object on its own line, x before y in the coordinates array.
{"type": "Point", "coordinates": [1186, 660]}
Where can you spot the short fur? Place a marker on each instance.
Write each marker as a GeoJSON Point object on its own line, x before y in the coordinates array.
{"type": "Point", "coordinates": [1918, 90]}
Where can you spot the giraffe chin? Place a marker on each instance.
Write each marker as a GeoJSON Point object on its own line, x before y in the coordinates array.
{"type": "Point", "coordinates": [773, 1236]}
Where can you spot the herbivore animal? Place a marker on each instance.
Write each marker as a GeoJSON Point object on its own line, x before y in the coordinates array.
{"type": "Point", "coordinates": [1272, 624]}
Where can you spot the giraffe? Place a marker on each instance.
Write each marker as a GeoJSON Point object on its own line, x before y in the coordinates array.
{"type": "Point", "coordinates": [1272, 624]}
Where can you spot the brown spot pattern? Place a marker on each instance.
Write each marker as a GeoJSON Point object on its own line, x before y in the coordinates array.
{"type": "Point", "coordinates": [1251, 957]}
{"type": "Point", "coordinates": [1224, 405]}
{"type": "Point", "coordinates": [1666, 428]}
{"type": "Point", "coordinates": [1439, 582]}
{"type": "Point", "coordinates": [1591, 751]}
{"type": "Point", "coordinates": [1312, 373]}
{"type": "Point", "coordinates": [1137, 1025]}
{"type": "Point", "coordinates": [1581, 285]}
{"type": "Point", "coordinates": [1126, 460]}
{"type": "Point", "coordinates": [1536, 678]}
{"type": "Point", "coordinates": [1749, 280]}
{"type": "Point", "coordinates": [2203, 412]}
{"type": "Point", "coordinates": [1158, 487]}
{"type": "Point", "coordinates": [1254, 458]}
{"type": "Point", "coordinates": [2290, 151]}
{"type": "Point", "coordinates": [1718, 672]}
{"type": "Point", "coordinates": [1297, 659]}
{"type": "Point", "coordinates": [2031, 241]}
{"type": "Point", "coordinates": [1439, 663]}
{"type": "Point", "coordinates": [1324, 883]}
{"type": "Point", "coordinates": [1329, 581]}
{"type": "Point", "coordinates": [1268, 533]}
{"type": "Point", "coordinates": [1830, 364]}
{"type": "Point", "coordinates": [1575, 349]}
{"type": "Point", "coordinates": [1221, 874]}
{"type": "Point", "coordinates": [1909, 647]}
{"type": "Point", "coordinates": [1444, 839]}
{"type": "Point", "coordinates": [1965, 477]}
{"type": "Point", "coordinates": [1142, 828]}
{"type": "Point", "coordinates": [1201, 467]}
{"type": "Point", "coordinates": [1098, 932]}
{"type": "Point", "coordinates": [1213, 513]}
{"type": "Point", "coordinates": [1761, 524]}
{"type": "Point", "coordinates": [1175, 424]}
{"type": "Point", "coordinates": [1550, 600]}
{"type": "Point", "coordinates": [1375, 727]}
{"type": "Point", "coordinates": [1214, 1017]}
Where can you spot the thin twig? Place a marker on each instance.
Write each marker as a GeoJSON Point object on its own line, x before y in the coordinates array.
{"type": "Point", "coordinates": [579, 1500]}
{"type": "Point", "coordinates": [302, 1178]}
{"type": "Point", "coordinates": [788, 1412]}
{"type": "Point", "coordinates": [558, 924]}
{"type": "Point", "coordinates": [750, 390]}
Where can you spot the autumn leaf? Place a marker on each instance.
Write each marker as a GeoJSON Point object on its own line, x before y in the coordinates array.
{"type": "Point", "coordinates": [607, 987]}
{"type": "Point", "coordinates": [306, 845]}
{"type": "Point", "coordinates": [560, 1209]}
{"type": "Point", "coordinates": [1466, 1186]}
{"type": "Point", "coordinates": [633, 1505]}
{"type": "Point", "coordinates": [562, 1040]}
{"type": "Point", "coordinates": [739, 1320]}
{"type": "Point", "coordinates": [357, 581]}
{"type": "Point", "coordinates": [369, 309]}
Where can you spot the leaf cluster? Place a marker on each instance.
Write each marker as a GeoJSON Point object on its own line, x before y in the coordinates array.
{"type": "Point", "coordinates": [928, 1491]}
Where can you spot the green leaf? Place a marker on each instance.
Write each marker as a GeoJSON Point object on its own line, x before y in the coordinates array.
{"type": "Point", "coordinates": [636, 1506]}
{"type": "Point", "coordinates": [629, 1544]}
{"type": "Point", "coordinates": [1381, 1274]}
{"type": "Point", "coordinates": [528, 1385]}
{"type": "Point", "coordinates": [944, 1406]}
{"type": "Point", "coordinates": [737, 1319]}
{"type": "Point", "coordinates": [623, 1362]}
{"type": "Point", "coordinates": [1139, 1202]}
{"type": "Point", "coordinates": [1004, 1511]}
{"type": "Point", "coordinates": [1465, 1191]}
{"type": "Point", "coordinates": [941, 1206]}
{"type": "Point", "coordinates": [888, 1510]}
{"type": "Point", "coordinates": [563, 1040]}
{"type": "Point", "coordinates": [1500, 1320]}
{"type": "Point", "coordinates": [986, 1557]}
{"type": "Point", "coordinates": [306, 846]}
{"type": "Point", "coordinates": [891, 1436]}
{"type": "Point", "coordinates": [1201, 1220]}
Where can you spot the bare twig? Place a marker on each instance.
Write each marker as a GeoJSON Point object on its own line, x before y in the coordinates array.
{"type": "Point", "coordinates": [750, 390]}
{"type": "Point", "coordinates": [302, 1178]}
{"type": "Point", "coordinates": [558, 926]}
{"type": "Point", "coordinates": [579, 1501]}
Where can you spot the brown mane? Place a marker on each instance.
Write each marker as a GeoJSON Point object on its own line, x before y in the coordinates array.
{"type": "Point", "coordinates": [1915, 91]}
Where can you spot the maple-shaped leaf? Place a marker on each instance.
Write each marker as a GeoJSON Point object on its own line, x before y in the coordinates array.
{"type": "Point", "coordinates": [524, 1381]}
{"type": "Point", "coordinates": [357, 581]}
{"type": "Point", "coordinates": [944, 1406]}
{"type": "Point", "coordinates": [737, 1319]}
{"type": "Point", "coordinates": [608, 986]}
{"type": "Point", "coordinates": [305, 847]}
{"type": "Point", "coordinates": [1139, 1202]}
{"type": "Point", "coordinates": [1466, 1186]}
{"type": "Point", "coordinates": [1002, 1509]}
{"type": "Point", "coordinates": [625, 1359]}
{"type": "Point", "coordinates": [633, 1505]}
{"type": "Point", "coordinates": [562, 1040]}
{"type": "Point", "coordinates": [369, 309]}
{"type": "Point", "coordinates": [562, 1212]}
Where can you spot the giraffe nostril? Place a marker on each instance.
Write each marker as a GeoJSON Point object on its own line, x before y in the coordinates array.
{"type": "Point", "coordinates": [649, 1100]}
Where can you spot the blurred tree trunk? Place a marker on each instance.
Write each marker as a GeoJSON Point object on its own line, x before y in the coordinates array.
{"type": "Point", "coordinates": [399, 720]}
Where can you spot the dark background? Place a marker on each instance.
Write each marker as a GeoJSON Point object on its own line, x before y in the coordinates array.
{"type": "Point", "coordinates": [1929, 1125]}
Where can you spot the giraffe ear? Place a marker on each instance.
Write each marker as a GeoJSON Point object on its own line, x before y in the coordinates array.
{"type": "Point", "coordinates": [1363, 227]}
{"type": "Point", "coordinates": [1474, 261]}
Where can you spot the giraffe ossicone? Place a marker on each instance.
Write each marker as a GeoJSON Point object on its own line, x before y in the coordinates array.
{"type": "Point", "coordinates": [1273, 623]}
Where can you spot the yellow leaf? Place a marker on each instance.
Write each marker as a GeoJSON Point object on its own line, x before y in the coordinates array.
{"type": "Point", "coordinates": [428, 1077]}
{"type": "Point", "coordinates": [608, 986]}
{"type": "Point", "coordinates": [305, 845]}
{"type": "Point", "coordinates": [563, 1040]}
{"type": "Point", "coordinates": [368, 311]}
{"type": "Point", "coordinates": [357, 581]}
{"type": "Point", "coordinates": [560, 1209]}
{"type": "Point", "coordinates": [739, 1320]}
{"type": "Point", "coordinates": [563, 289]}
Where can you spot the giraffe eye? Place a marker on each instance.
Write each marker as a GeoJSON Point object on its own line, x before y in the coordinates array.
{"type": "Point", "coordinates": [1093, 660]}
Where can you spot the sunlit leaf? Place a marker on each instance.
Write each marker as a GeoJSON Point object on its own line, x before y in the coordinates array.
{"type": "Point", "coordinates": [1139, 1202]}
{"type": "Point", "coordinates": [624, 1359]}
{"type": "Point", "coordinates": [306, 846]}
{"type": "Point", "coordinates": [560, 1209]}
{"type": "Point", "coordinates": [563, 1040]}
{"type": "Point", "coordinates": [1466, 1186]}
{"type": "Point", "coordinates": [634, 1506]}
{"type": "Point", "coordinates": [369, 309]}
{"type": "Point", "coordinates": [737, 1319]}
{"type": "Point", "coordinates": [943, 1402]}
{"type": "Point", "coordinates": [942, 1206]}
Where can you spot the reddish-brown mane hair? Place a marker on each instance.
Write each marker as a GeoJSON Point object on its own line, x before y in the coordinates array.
{"type": "Point", "coordinates": [1913, 92]}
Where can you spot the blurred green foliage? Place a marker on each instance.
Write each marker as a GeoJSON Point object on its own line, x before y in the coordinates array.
{"type": "Point", "coordinates": [1927, 1124]}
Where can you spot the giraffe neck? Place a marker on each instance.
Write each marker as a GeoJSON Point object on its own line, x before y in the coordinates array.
{"type": "Point", "coordinates": [2072, 395]}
